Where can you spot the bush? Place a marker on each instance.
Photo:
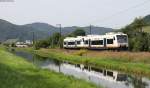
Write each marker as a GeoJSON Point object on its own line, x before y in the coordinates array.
{"type": "Point", "coordinates": [41, 44]}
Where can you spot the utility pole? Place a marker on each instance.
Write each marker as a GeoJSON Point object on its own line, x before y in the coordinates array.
{"type": "Point", "coordinates": [60, 35]}
{"type": "Point", "coordinates": [59, 25]}
{"type": "Point", "coordinates": [90, 29]}
{"type": "Point", "coordinates": [33, 38]}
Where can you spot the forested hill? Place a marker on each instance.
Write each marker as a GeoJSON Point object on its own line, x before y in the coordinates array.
{"type": "Point", "coordinates": [41, 30]}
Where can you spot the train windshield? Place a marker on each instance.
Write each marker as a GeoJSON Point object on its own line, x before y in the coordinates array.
{"type": "Point", "coordinates": [122, 38]}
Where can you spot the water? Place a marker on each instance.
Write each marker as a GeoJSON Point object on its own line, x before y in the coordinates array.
{"type": "Point", "coordinates": [103, 77]}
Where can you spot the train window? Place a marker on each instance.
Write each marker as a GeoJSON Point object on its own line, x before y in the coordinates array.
{"type": "Point", "coordinates": [97, 42]}
{"type": "Point", "coordinates": [97, 70]}
{"type": "Point", "coordinates": [86, 42]}
{"type": "Point", "coordinates": [78, 42]}
{"type": "Point", "coordinates": [86, 67]}
{"type": "Point", "coordinates": [109, 41]}
{"type": "Point", "coordinates": [71, 43]}
{"type": "Point", "coordinates": [101, 42]}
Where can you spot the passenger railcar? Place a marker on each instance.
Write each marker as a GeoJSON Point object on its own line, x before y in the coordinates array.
{"type": "Point", "coordinates": [110, 40]}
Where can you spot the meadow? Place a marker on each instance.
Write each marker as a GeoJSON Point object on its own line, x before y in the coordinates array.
{"type": "Point", "coordinates": [16, 72]}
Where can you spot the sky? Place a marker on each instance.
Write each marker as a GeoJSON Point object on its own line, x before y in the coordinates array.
{"type": "Point", "coordinates": [104, 13]}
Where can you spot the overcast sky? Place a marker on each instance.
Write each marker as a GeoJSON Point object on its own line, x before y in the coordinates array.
{"type": "Point", "coordinates": [105, 13]}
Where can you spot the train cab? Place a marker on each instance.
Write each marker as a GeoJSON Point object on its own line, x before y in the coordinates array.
{"type": "Point", "coordinates": [116, 40]}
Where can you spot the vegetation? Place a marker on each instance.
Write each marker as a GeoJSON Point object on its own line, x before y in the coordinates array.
{"type": "Point", "coordinates": [15, 72]}
{"type": "Point", "coordinates": [139, 40]}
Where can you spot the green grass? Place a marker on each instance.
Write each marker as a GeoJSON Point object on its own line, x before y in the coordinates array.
{"type": "Point", "coordinates": [15, 72]}
{"type": "Point", "coordinates": [147, 29]}
{"type": "Point", "coordinates": [137, 68]}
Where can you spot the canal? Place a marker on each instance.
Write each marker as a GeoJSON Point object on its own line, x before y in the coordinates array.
{"type": "Point", "coordinates": [104, 77]}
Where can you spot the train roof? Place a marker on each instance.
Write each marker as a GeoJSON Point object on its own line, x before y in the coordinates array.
{"type": "Point", "coordinates": [115, 33]}
{"type": "Point", "coordinates": [89, 36]}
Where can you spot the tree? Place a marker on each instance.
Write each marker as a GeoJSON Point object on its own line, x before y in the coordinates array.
{"type": "Point", "coordinates": [138, 24]}
{"type": "Point", "coordinates": [56, 38]}
{"type": "Point", "coordinates": [78, 32]}
{"type": "Point", "coordinates": [41, 44]}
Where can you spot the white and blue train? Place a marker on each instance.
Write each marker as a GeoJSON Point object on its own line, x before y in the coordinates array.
{"type": "Point", "coordinates": [110, 40]}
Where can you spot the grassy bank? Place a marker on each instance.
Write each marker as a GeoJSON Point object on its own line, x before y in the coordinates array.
{"type": "Point", "coordinates": [15, 72]}
{"type": "Point", "coordinates": [125, 62]}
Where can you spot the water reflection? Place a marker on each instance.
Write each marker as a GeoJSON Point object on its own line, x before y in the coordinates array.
{"type": "Point", "coordinates": [104, 77]}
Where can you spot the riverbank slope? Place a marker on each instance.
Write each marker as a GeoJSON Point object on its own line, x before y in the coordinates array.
{"type": "Point", "coordinates": [15, 72]}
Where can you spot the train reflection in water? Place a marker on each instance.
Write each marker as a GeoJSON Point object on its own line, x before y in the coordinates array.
{"type": "Point", "coordinates": [106, 78]}
{"type": "Point", "coordinates": [97, 72]}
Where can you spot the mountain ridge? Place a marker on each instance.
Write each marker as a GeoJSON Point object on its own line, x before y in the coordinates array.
{"type": "Point", "coordinates": [41, 30]}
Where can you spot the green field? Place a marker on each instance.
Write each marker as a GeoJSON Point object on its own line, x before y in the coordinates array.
{"type": "Point", "coordinates": [15, 72]}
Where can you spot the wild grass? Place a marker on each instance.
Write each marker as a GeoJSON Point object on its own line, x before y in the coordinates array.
{"type": "Point", "coordinates": [143, 57]}
{"type": "Point", "coordinates": [15, 72]}
{"type": "Point", "coordinates": [80, 52]}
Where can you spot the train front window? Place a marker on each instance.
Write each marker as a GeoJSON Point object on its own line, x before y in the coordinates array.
{"type": "Point", "coordinates": [122, 38]}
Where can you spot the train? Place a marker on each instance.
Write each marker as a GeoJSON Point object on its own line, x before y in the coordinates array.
{"type": "Point", "coordinates": [111, 40]}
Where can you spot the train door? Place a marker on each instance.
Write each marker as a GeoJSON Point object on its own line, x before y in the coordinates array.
{"type": "Point", "coordinates": [82, 43]}
{"type": "Point", "coordinates": [75, 44]}
{"type": "Point", "coordinates": [104, 42]}
{"type": "Point", "coordinates": [67, 44]}
{"type": "Point", "coordinates": [89, 43]}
